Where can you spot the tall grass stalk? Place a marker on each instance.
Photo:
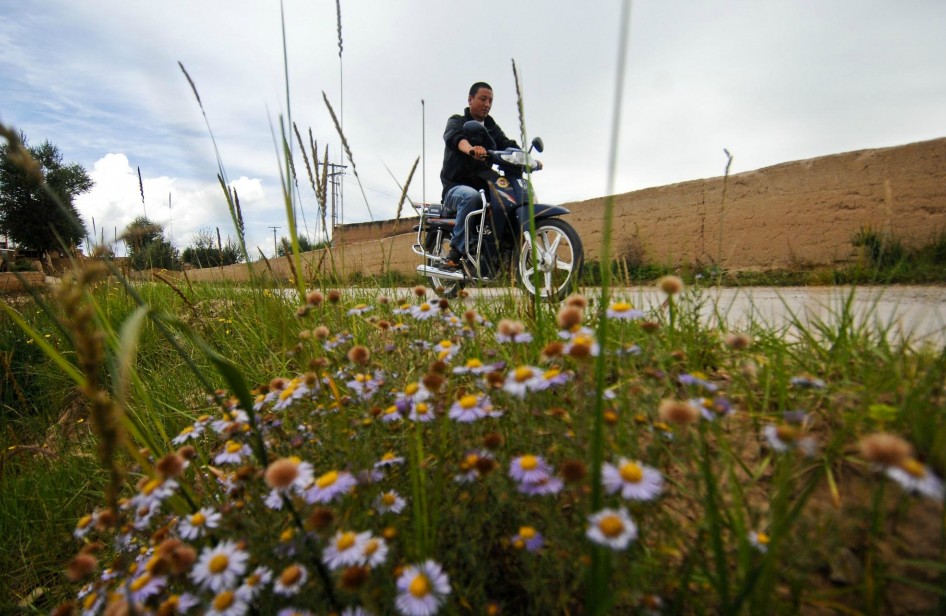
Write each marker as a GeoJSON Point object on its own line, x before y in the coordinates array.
{"type": "Point", "coordinates": [598, 596]}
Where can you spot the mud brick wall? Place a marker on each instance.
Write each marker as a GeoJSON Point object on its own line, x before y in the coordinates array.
{"type": "Point", "coordinates": [796, 214]}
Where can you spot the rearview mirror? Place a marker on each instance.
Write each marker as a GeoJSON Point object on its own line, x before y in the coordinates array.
{"type": "Point", "coordinates": [537, 144]}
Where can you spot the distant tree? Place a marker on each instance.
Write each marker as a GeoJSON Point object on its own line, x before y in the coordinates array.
{"type": "Point", "coordinates": [148, 247]}
{"type": "Point", "coordinates": [208, 250]}
{"type": "Point", "coordinates": [305, 245]}
{"type": "Point", "coordinates": [28, 214]}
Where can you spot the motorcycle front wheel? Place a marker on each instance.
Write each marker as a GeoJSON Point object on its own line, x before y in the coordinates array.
{"type": "Point", "coordinates": [554, 269]}
{"type": "Point", "coordinates": [437, 244]}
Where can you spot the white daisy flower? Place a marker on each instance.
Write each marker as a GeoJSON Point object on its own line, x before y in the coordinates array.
{"type": "Point", "coordinates": [344, 550]}
{"type": "Point", "coordinates": [329, 487]}
{"type": "Point", "coordinates": [227, 603]}
{"type": "Point", "coordinates": [390, 502]}
{"type": "Point", "coordinates": [291, 580]}
{"type": "Point", "coordinates": [917, 478]}
{"type": "Point", "coordinates": [196, 525]}
{"type": "Point", "coordinates": [612, 528]}
{"type": "Point", "coordinates": [634, 480]}
{"type": "Point", "coordinates": [422, 589]}
{"type": "Point", "coordinates": [219, 568]}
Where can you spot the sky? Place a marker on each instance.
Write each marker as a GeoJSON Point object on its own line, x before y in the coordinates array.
{"type": "Point", "coordinates": [769, 81]}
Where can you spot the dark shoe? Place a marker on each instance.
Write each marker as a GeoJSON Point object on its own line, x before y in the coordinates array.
{"type": "Point", "coordinates": [453, 259]}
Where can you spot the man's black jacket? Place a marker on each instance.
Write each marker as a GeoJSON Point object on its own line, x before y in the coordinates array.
{"type": "Point", "coordinates": [459, 168]}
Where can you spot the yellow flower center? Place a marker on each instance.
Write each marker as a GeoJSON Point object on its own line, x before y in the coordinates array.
{"type": "Point", "coordinates": [388, 456]}
{"type": "Point", "coordinates": [445, 344]}
{"type": "Point", "coordinates": [632, 473]}
{"type": "Point", "coordinates": [218, 564]}
{"type": "Point", "coordinates": [551, 373]}
{"type": "Point", "coordinates": [151, 486]}
{"type": "Point", "coordinates": [233, 447]}
{"type": "Point", "coordinates": [474, 363]}
{"type": "Point", "coordinates": [187, 430]}
{"type": "Point", "coordinates": [345, 541]}
{"type": "Point", "coordinates": [327, 480]}
{"type": "Point", "coordinates": [419, 587]}
{"type": "Point", "coordinates": [527, 532]}
{"type": "Point", "coordinates": [198, 519]}
{"type": "Point", "coordinates": [284, 394]}
{"type": "Point", "coordinates": [411, 389]}
{"type": "Point", "coordinates": [371, 547]}
{"type": "Point", "coordinates": [90, 600]}
{"type": "Point", "coordinates": [203, 418]}
{"type": "Point", "coordinates": [913, 467]}
{"type": "Point", "coordinates": [620, 306]}
{"type": "Point", "coordinates": [528, 463]}
{"type": "Point", "coordinates": [388, 499]}
{"type": "Point", "coordinates": [84, 521]}
{"type": "Point", "coordinates": [424, 307]}
{"type": "Point", "coordinates": [468, 401]}
{"type": "Point", "coordinates": [523, 373]}
{"type": "Point", "coordinates": [287, 535]}
{"type": "Point", "coordinates": [139, 582]}
{"type": "Point", "coordinates": [390, 410]}
{"type": "Point", "coordinates": [762, 538]}
{"type": "Point", "coordinates": [224, 600]}
{"type": "Point", "coordinates": [786, 434]}
{"type": "Point", "coordinates": [421, 408]}
{"type": "Point", "coordinates": [290, 575]}
{"type": "Point", "coordinates": [611, 526]}
{"type": "Point", "coordinates": [253, 580]}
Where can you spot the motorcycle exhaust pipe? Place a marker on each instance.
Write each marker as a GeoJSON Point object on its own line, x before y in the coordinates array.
{"type": "Point", "coordinates": [429, 270]}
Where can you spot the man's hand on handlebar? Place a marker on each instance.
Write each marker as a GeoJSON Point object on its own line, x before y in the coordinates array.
{"type": "Point", "coordinates": [478, 152]}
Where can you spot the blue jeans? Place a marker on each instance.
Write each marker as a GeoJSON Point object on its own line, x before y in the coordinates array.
{"type": "Point", "coordinates": [462, 200]}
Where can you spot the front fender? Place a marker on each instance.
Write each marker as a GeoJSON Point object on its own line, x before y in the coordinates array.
{"type": "Point", "coordinates": [541, 211]}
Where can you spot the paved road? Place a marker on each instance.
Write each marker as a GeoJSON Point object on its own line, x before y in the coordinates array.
{"type": "Point", "coordinates": [913, 313]}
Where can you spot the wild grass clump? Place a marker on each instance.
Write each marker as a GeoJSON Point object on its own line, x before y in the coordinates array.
{"type": "Point", "coordinates": [402, 454]}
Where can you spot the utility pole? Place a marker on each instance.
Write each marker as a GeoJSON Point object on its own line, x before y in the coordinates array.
{"type": "Point", "coordinates": [274, 240]}
{"type": "Point", "coordinates": [334, 176]}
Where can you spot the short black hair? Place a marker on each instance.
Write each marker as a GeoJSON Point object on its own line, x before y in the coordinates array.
{"type": "Point", "coordinates": [476, 87]}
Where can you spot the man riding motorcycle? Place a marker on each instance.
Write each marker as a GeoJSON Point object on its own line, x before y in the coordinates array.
{"type": "Point", "coordinates": [461, 163]}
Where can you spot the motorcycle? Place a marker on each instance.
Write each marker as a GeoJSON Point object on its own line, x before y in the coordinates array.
{"type": "Point", "coordinates": [545, 257]}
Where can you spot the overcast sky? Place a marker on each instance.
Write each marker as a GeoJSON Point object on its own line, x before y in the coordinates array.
{"type": "Point", "coordinates": [769, 80]}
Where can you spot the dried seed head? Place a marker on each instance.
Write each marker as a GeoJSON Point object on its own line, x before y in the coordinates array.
{"type": "Point", "coordinates": [334, 296]}
{"type": "Point", "coordinates": [508, 327]}
{"type": "Point", "coordinates": [671, 285]}
{"type": "Point", "coordinates": [432, 381]}
{"type": "Point", "coordinates": [569, 317]}
{"type": "Point", "coordinates": [443, 303]}
{"type": "Point", "coordinates": [383, 299]}
{"type": "Point", "coordinates": [314, 298]}
{"type": "Point", "coordinates": [650, 326]}
{"type": "Point", "coordinates": [553, 349]}
{"type": "Point", "coordinates": [321, 518]}
{"type": "Point", "coordinates": [574, 470]}
{"type": "Point", "coordinates": [359, 354]}
{"type": "Point", "coordinates": [470, 317]}
{"type": "Point", "coordinates": [438, 367]}
{"type": "Point", "coordinates": [182, 559]}
{"type": "Point", "coordinates": [282, 472]}
{"type": "Point", "coordinates": [321, 332]}
{"type": "Point", "coordinates": [738, 341]}
{"type": "Point", "coordinates": [420, 291]}
{"type": "Point", "coordinates": [493, 440]}
{"type": "Point", "coordinates": [885, 449]}
{"type": "Point", "coordinates": [577, 301]}
{"type": "Point", "coordinates": [187, 452]}
{"type": "Point", "coordinates": [170, 466]}
{"type": "Point", "coordinates": [354, 577]}
{"type": "Point", "coordinates": [677, 412]}
{"type": "Point", "coordinates": [81, 567]}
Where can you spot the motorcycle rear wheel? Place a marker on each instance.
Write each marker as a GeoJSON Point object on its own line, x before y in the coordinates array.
{"type": "Point", "coordinates": [443, 287]}
{"type": "Point", "coordinates": [559, 259]}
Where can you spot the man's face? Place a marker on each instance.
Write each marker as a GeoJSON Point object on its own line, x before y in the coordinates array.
{"type": "Point", "coordinates": [480, 104]}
